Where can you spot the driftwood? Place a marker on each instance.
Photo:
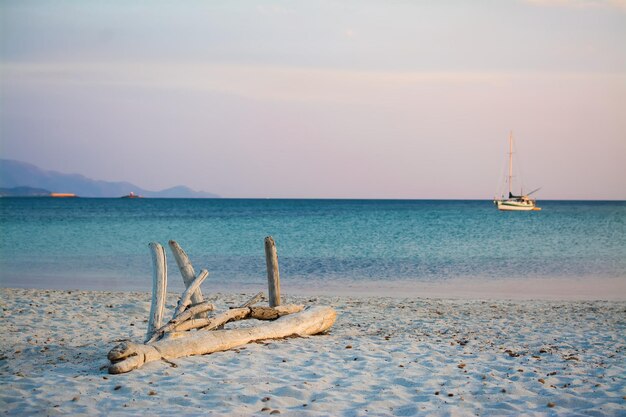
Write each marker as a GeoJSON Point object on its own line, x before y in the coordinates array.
{"type": "Point", "coordinates": [191, 332]}
{"type": "Point", "coordinates": [186, 271]}
{"type": "Point", "coordinates": [258, 297]}
{"type": "Point", "coordinates": [171, 325]}
{"type": "Point", "coordinates": [234, 314]}
{"type": "Point", "coordinates": [273, 275]}
{"type": "Point", "coordinates": [214, 322]}
{"type": "Point", "coordinates": [128, 356]}
{"type": "Point", "coordinates": [159, 288]}
{"type": "Point", "coordinates": [185, 299]}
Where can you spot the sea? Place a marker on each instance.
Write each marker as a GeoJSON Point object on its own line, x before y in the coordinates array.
{"type": "Point", "coordinates": [102, 244]}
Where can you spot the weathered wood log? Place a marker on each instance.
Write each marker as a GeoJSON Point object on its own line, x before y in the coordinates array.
{"type": "Point", "coordinates": [273, 275]}
{"type": "Point", "coordinates": [185, 298]}
{"type": "Point", "coordinates": [258, 297]}
{"type": "Point", "coordinates": [219, 320]}
{"type": "Point", "coordinates": [186, 270]}
{"type": "Point", "coordinates": [159, 288]}
{"type": "Point", "coordinates": [271, 313]}
{"type": "Point", "coordinates": [193, 324]}
{"type": "Point", "coordinates": [215, 322]}
{"type": "Point", "coordinates": [128, 356]}
{"type": "Point", "coordinates": [239, 313]}
{"type": "Point", "coordinates": [285, 309]}
{"type": "Point", "coordinates": [187, 314]}
{"type": "Point", "coordinates": [175, 335]}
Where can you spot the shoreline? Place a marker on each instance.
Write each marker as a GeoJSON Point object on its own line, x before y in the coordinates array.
{"type": "Point", "coordinates": [385, 356]}
{"type": "Point", "coordinates": [529, 289]}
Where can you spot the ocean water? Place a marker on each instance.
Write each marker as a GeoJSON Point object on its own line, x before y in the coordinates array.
{"type": "Point", "coordinates": [103, 243]}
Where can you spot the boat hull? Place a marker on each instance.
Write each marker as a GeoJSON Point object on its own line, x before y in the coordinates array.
{"type": "Point", "coordinates": [506, 205]}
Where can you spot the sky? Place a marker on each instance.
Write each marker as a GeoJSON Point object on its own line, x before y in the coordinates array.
{"type": "Point", "coordinates": [322, 99]}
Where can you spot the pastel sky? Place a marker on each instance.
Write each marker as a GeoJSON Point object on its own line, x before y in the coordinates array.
{"type": "Point", "coordinates": [320, 99]}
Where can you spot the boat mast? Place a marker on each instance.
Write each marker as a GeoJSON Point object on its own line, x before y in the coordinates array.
{"type": "Point", "coordinates": [510, 162]}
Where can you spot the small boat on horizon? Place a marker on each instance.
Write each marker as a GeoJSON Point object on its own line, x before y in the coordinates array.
{"type": "Point", "coordinates": [521, 202]}
{"type": "Point", "coordinates": [131, 195]}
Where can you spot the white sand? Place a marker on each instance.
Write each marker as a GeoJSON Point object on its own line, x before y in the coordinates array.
{"type": "Point", "coordinates": [544, 288]}
{"type": "Point", "coordinates": [390, 356]}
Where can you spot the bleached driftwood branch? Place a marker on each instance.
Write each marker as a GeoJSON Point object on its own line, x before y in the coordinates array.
{"type": "Point", "coordinates": [214, 322]}
{"type": "Point", "coordinates": [257, 298]}
{"type": "Point", "coordinates": [187, 314]}
{"type": "Point", "coordinates": [159, 288]}
{"type": "Point", "coordinates": [185, 299]}
{"type": "Point", "coordinates": [186, 271]}
{"type": "Point", "coordinates": [128, 356]}
{"type": "Point", "coordinates": [175, 339]}
{"type": "Point", "coordinates": [240, 313]}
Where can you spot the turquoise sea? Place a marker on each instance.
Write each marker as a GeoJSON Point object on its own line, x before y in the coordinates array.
{"type": "Point", "coordinates": [103, 243]}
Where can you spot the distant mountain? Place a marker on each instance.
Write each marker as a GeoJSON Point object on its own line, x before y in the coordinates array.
{"type": "Point", "coordinates": [180, 191]}
{"type": "Point", "coordinates": [24, 192]}
{"type": "Point", "coordinates": [21, 174]}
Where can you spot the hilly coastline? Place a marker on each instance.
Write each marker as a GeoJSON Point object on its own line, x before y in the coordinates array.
{"type": "Point", "coordinates": [19, 178]}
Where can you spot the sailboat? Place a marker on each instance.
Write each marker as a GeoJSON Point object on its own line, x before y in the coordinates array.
{"type": "Point", "coordinates": [521, 202]}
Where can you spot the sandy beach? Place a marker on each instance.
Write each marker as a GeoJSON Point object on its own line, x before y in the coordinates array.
{"type": "Point", "coordinates": [384, 356]}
